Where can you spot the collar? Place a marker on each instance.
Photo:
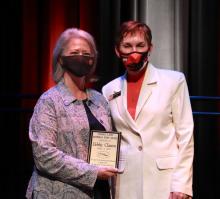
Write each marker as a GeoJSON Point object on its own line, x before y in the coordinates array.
{"type": "Point", "coordinates": [69, 98]}
{"type": "Point", "coordinates": [92, 97]}
{"type": "Point", "coordinates": [150, 76]}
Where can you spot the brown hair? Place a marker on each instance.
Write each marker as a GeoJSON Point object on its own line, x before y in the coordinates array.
{"type": "Point", "coordinates": [132, 27]}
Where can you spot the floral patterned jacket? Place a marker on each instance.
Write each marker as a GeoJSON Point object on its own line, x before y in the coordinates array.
{"type": "Point", "coordinates": [59, 134]}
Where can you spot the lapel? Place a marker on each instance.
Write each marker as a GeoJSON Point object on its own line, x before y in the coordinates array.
{"type": "Point", "coordinates": [65, 93]}
{"type": "Point", "coordinates": [119, 95]}
{"type": "Point", "coordinates": [97, 108]}
{"type": "Point", "coordinates": [122, 106]}
{"type": "Point", "coordinates": [150, 80]}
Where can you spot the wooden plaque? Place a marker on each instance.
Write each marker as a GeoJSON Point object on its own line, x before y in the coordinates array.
{"type": "Point", "coordinates": [104, 148]}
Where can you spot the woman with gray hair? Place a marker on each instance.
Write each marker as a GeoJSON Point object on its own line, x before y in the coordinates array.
{"type": "Point", "coordinates": [61, 123]}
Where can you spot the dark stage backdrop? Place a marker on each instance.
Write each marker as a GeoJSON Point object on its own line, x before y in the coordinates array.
{"type": "Point", "coordinates": [29, 29]}
{"type": "Point", "coordinates": [204, 80]}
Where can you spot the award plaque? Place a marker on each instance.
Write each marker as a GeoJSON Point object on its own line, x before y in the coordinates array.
{"type": "Point", "coordinates": [104, 147]}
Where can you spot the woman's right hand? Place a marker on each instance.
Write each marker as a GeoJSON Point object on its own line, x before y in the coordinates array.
{"type": "Point", "coordinates": [104, 173]}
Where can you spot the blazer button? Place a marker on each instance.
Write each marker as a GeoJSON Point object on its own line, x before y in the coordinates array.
{"type": "Point", "coordinates": [140, 148]}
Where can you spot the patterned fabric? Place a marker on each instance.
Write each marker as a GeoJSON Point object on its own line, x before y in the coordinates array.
{"type": "Point", "coordinates": [59, 133]}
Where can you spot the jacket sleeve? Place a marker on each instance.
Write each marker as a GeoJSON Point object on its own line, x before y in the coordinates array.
{"type": "Point", "coordinates": [183, 121]}
{"type": "Point", "coordinates": [49, 160]}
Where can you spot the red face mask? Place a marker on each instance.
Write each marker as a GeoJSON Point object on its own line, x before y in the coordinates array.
{"type": "Point", "coordinates": [134, 60]}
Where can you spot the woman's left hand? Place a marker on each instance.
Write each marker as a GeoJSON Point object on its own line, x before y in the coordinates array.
{"type": "Point", "coordinates": [179, 195]}
{"type": "Point", "coordinates": [104, 172]}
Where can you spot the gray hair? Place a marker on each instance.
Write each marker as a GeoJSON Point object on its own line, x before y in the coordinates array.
{"type": "Point", "coordinates": [61, 44]}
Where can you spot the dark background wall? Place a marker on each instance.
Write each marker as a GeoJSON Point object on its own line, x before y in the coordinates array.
{"type": "Point", "coordinates": [29, 29]}
{"type": "Point", "coordinates": [204, 80]}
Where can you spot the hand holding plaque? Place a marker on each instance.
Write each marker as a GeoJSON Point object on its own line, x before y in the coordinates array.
{"type": "Point", "coordinates": [104, 147]}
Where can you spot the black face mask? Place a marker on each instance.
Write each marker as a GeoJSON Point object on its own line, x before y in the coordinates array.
{"type": "Point", "coordinates": [78, 65]}
{"type": "Point", "coordinates": [135, 60]}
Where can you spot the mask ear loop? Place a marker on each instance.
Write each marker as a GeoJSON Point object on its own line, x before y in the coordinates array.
{"type": "Point", "coordinates": [91, 61]}
{"type": "Point", "coordinates": [148, 55]}
{"type": "Point", "coordinates": [60, 60]}
{"type": "Point", "coordinates": [127, 54]}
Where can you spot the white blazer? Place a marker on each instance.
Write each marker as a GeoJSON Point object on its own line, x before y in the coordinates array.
{"type": "Point", "coordinates": [157, 147]}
